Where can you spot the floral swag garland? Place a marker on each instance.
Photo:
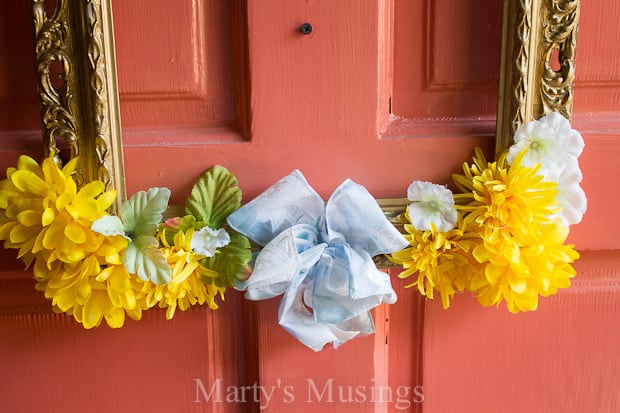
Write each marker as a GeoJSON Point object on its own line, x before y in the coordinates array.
{"type": "Point", "coordinates": [501, 237]}
{"type": "Point", "coordinates": [96, 266]}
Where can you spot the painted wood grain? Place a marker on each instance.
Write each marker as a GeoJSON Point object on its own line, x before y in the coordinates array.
{"type": "Point", "coordinates": [184, 75]}
{"type": "Point", "coordinates": [561, 358]}
{"type": "Point", "coordinates": [597, 83]}
{"type": "Point", "coordinates": [438, 40]}
{"type": "Point", "coordinates": [19, 109]}
{"type": "Point", "coordinates": [51, 364]}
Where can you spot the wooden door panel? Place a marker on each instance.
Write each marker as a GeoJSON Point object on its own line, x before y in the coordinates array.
{"type": "Point", "coordinates": [597, 87]}
{"type": "Point", "coordinates": [176, 64]}
{"type": "Point", "coordinates": [448, 85]}
{"type": "Point", "coordinates": [380, 371]}
{"type": "Point", "coordinates": [152, 365]}
{"type": "Point", "coordinates": [561, 358]}
{"type": "Point", "coordinates": [321, 87]}
{"type": "Point", "coordinates": [19, 108]}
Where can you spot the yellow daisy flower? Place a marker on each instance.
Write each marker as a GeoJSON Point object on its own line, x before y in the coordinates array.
{"type": "Point", "coordinates": [186, 287]}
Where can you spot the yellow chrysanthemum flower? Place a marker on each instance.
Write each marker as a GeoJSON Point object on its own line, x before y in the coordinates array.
{"type": "Point", "coordinates": [501, 199]}
{"type": "Point", "coordinates": [186, 287]}
{"type": "Point", "coordinates": [95, 288]}
{"type": "Point", "coordinates": [443, 260]}
{"type": "Point", "coordinates": [519, 273]}
{"type": "Point", "coordinates": [21, 206]}
{"type": "Point", "coordinates": [521, 247]}
{"type": "Point", "coordinates": [41, 209]}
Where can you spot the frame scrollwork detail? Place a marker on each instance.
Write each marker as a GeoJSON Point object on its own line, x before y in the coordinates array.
{"type": "Point", "coordinates": [77, 86]}
{"type": "Point", "coordinates": [538, 63]}
{"type": "Point", "coordinates": [561, 18]}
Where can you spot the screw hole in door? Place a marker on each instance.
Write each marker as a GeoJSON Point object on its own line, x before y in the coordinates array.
{"type": "Point", "coordinates": [305, 28]}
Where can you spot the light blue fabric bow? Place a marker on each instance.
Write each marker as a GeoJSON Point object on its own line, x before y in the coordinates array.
{"type": "Point", "coordinates": [320, 256]}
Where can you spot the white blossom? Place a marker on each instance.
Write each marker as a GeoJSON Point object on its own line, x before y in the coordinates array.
{"type": "Point", "coordinates": [207, 240]}
{"type": "Point", "coordinates": [431, 204]}
{"type": "Point", "coordinates": [550, 142]}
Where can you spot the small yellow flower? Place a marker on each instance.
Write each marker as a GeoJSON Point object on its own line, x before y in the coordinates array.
{"type": "Point", "coordinates": [186, 287]}
{"type": "Point", "coordinates": [500, 198]}
{"type": "Point", "coordinates": [442, 260]}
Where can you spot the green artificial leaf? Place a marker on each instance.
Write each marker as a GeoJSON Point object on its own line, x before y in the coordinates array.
{"type": "Point", "coordinates": [139, 219]}
{"type": "Point", "coordinates": [232, 262]}
{"type": "Point", "coordinates": [144, 258]}
{"type": "Point", "coordinates": [142, 213]}
{"type": "Point", "coordinates": [108, 225]}
{"type": "Point", "coordinates": [215, 196]}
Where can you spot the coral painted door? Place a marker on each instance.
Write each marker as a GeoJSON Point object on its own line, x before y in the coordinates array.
{"type": "Point", "coordinates": [379, 91]}
{"type": "Point", "coordinates": [365, 95]}
{"type": "Point", "coordinates": [359, 97]}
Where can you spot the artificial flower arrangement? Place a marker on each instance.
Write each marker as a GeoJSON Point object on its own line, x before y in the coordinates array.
{"type": "Point", "coordinates": [502, 236]}
{"type": "Point", "coordinates": [95, 266]}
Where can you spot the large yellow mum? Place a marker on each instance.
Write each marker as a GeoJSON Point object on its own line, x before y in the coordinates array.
{"type": "Point", "coordinates": [521, 247]}
{"type": "Point", "coordinates": [186, 287]}
{"type": "Point", "coordinates": [95, 288]}
{"type": "Point", "coordinates": [41, 210]}
{"type": "Point", "coordinates": [43, 214]}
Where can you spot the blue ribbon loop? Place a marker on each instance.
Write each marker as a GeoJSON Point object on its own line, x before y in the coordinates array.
{"type": "Point", "coordinates": [319, 255]}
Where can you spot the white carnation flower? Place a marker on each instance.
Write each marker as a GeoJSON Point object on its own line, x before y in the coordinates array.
{"type": "Point", "coordinates": [207, 240]}
{"type": "Point", "coordinates": [549, 141]}
{"type": "Point", "coordinates": [431, 204]}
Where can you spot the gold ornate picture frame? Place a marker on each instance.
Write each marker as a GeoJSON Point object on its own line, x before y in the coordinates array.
{"type": "Point", "coordinates": [78, 92]}
{"type": "Point", "coordinates": [76, 41]}
{"type": "Point", "coordinates": [537, 70]}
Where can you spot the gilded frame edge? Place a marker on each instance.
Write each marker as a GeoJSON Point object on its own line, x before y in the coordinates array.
{"type": "Point", "coordinates": [532, 84]}
{"type": "Point", "coordinates": [78, 89]}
